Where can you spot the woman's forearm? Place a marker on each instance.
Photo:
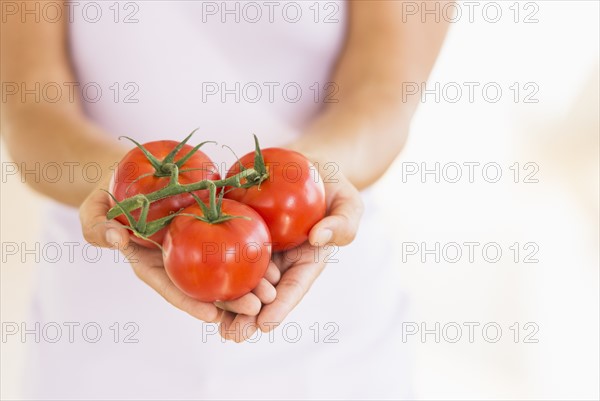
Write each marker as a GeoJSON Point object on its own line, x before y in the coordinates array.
{"type": "Point", "coordinates": [366, 129]}
{"type": "Point", "coordinates": [59, 152]}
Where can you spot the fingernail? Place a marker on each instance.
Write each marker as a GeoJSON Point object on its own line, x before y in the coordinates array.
{"type": "Point", "coordinates": [324, 236]}
{"type": "Point", "coordinates": [113, 237]}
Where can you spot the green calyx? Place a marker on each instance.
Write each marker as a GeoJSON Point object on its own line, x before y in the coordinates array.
{"type": "Point", "coordinates": [259, 164]}
{"type": "Point", "coordinates": [261, 173]}
{"type": "Point", "coordinates": [141, 227]}
{"type": "Point", "coordinates": [213, 213]}
{"type": "Point", "coordinates": [163, 168]}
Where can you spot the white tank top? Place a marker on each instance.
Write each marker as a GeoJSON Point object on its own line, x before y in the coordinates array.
{"type": "Point", "coordinates": [185, 68]}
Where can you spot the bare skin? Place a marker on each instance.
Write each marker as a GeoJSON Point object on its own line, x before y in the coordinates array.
{"type": "Point", "coordinates": [370, 118]}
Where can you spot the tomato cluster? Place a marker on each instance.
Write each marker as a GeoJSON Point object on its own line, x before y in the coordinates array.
{"type": "Point", "coordinates": [217, 235]}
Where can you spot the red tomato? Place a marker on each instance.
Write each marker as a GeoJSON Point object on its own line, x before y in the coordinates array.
{"type": "Point", "coordinates": [291, 200]}
{"type": "Point", "coordinates": [217, 261]}
{"type": "Point", "coordinates": [136, 175]}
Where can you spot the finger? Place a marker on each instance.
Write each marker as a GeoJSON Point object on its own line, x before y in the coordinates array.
{"type": "Point", "coordinates": [96, 229]}
{"type": "Point", "coordinates": [245, 327]}
{"type": "Point", "coordinates": [294, 283]}
{"type": "Point", "coordinates": [150, 270]}
{"type": "Point", "coordinates": [238, 328]}
{"type": "Point", "coordinates": [272, 274]}
{"type": "Point", "coordinates": [248, 304]}
{"type": "Point", "coordinates": [286, 259]}
{"type": "Point", "coordinates": [341, 225]}
{"type": "Point", "coordinates": [265, 291]}
{"type": "Point", "coordinates": [225, 324]}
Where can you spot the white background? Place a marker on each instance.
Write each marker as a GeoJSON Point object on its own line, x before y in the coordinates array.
{"type": "Point", "coordinates": [560, 293]}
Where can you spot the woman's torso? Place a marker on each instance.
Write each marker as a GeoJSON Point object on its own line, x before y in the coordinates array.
{"type": "Point", "coordinates": [166, 67]}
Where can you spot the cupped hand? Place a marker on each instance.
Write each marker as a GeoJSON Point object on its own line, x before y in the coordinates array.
{"type": "Point", "coordinates": [148, 264]}
{"type": "Point", "coordinates": [301, 266]}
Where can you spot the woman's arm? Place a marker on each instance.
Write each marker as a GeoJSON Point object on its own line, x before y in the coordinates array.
{"type": "Point", "coordinates": [366, 129]}
{"type": "Point", "coordinates": [34, 54]}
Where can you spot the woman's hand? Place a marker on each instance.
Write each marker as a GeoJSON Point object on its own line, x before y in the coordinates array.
{"type": "Point", "coordinates": [301, 266]}
{"type": "Point", "coordinates": [148, 265]}
{"type": "Point", "coordinates": [289, 275]}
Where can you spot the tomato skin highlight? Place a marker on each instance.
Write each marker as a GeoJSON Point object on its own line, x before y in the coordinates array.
{"type": "Point", "coordinates": [217, 261]}
{"type": "Point", "coordinates": [291, 200]}
{"type": "Point", "coordinates": [135, 175]}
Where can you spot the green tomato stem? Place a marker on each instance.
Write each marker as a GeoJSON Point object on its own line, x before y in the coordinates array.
{"type": "Point", "coordinates": [175, 188]}
{"type": "Point", "coordinates": [213, 212]}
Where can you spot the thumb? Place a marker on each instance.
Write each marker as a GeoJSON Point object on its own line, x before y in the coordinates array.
{"type": "Point", "coordinates": [97, 230]}
{"type": "Point", "coordinates": [341, 225]}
